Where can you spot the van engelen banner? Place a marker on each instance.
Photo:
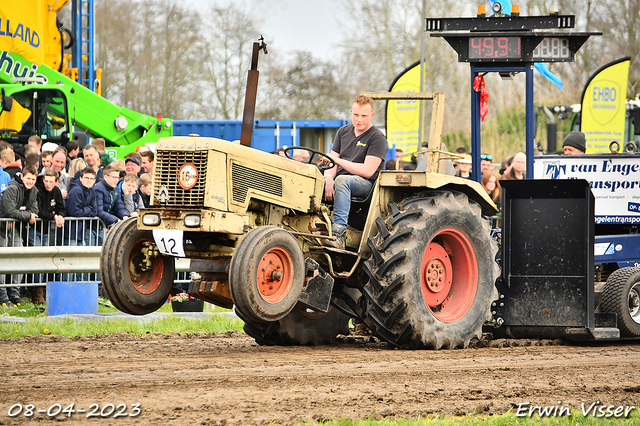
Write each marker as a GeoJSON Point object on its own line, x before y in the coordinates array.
{"type": "Point", "coordinates": [403, 116]}
{"type": "Point", "coordinates": [603, 106]}
{"type": "Point", "coordinates": [21, 29]}
{"type": "Point", "coordinates": [614, 182]}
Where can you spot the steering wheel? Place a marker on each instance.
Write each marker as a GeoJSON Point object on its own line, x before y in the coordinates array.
{"type": "Point", "coordinates": [313, 152]}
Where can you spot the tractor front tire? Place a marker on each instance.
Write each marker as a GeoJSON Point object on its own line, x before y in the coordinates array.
{"type": "Point", "coordinates": [432, 273]}
{"type": "Point", "coordinates": [133, 286]}
{"type": "Point", "coordinates": [266, 274]}
{"type": "Point", "coordinates": [621, 295]}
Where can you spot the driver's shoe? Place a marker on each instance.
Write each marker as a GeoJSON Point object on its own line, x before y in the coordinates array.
{"type": "Point", "coordinates": [340, 233]}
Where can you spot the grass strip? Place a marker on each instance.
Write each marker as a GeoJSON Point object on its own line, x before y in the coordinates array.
{"type": "Point", "coordinates": [38, 323]}
{"type": "Point", "coordinates": [507, 419]}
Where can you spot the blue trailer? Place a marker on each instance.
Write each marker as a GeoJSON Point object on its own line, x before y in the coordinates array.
{"type": "Point", "coordinates": [268, 135]}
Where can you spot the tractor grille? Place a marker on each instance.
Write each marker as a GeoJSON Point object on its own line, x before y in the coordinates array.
{"type": "Point", "coordinates": [244, 178]}
{"type": "Point", "coordinates": [167, 165]}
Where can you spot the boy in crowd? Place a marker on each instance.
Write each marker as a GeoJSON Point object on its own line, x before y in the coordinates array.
{"type": "Point", "coordinates": [30, 149]}
{"type": "Point", "coordinates": [464, 167]}
{"type": "Point", "coordinates": [81, 202]}
{"type": "Point", "coordinates": [4, 178]}
{"type": "Point", "coordinates": [32, 159]}
{"type": "Point", "coordinates": [73, 150]}
{"type": "Point", "coordinates": [129, 193]}
{"type": "Point", "coordinates": [99, 144]}
{"type": "Point", "coordinates": [146, 160]}
{"type": "Point", "coordinates": [144, 191]}
{"type": "Point", "coordinates": [36, 142]}
{"type": "Point", "coordinates": [92, 159]}
{"type": "Point", "coordinates": [50, 208]}
{"type": "Point", "coordinates": [108, 200]}
{"type": "Point", "coordinates": [9, 164]}
{"type": "Point", "coordinates": [46, 160]}
{"type": "Point", "coordinates": [19, 202]}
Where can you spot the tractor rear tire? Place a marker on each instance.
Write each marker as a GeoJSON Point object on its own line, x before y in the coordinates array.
{"type": "Point", "coordinates": [432, 273]}
{"type": "Point", "coordinates": [266, 274]}
{"type": "Point", "coordinates": [299, 327]}
{"type": "Point", "coordinates": [621, 295]}
{"type": "Point", "coordinates": [131, 287]}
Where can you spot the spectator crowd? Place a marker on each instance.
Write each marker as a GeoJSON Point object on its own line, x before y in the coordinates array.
{"type": "Point", "coordinates": [513, 167]}
{"type": "Point", "coordinates": [54, 195]}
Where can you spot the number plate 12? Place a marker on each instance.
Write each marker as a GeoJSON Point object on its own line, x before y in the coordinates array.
{"type": "Point", "coordinates": [169, 241]}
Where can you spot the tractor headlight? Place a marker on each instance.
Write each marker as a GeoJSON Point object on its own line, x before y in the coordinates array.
{"type": "Point", "coordinates": [192, 220]}
{"type": "Point", "coordinates": [151, 219]}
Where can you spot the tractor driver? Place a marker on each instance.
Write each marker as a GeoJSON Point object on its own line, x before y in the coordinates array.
{"type": "Point", "coordinates": [359, 150]}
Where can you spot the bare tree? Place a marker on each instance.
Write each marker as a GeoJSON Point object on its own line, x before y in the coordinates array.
{"type": "Point", "coordinates": [383, 39]}
{"type": "Point", "coordinates": [179, 90]}
{"type": "Point", "coordinates": [116, 42]}
{"type": "Point", "coordinates": [231, 32]}
{"type": "Point", "coordinates": [619, 20]}
{"type": "Point", "coordinates": [306, 88]}
{"type": "Point", "coordinates": [148, 52]}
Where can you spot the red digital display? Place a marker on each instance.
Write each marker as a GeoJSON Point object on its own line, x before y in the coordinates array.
{"type": "Point", "coordinates": [496, 48]}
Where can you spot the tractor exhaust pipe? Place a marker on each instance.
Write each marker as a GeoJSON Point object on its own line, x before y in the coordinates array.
{"type": "Point", "coordinates": [251, 93]}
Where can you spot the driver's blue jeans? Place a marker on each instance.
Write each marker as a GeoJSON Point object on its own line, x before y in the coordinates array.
{"type": "Point", "coordinates": [345, 187]}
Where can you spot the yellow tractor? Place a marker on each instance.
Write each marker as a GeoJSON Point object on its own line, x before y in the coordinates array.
{"type": "Point", "coordinates": [419, 266]}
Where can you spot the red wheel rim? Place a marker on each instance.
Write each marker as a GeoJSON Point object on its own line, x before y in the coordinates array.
{"type": "Point", "coordinates": [449, 275]}
{"type": "Point", "coordinates": [275, 275]}
{"type": "Point", "coordinates": [144, 281]}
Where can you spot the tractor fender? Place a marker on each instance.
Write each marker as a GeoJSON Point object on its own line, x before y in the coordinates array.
{"type": "Point", "coordinates": [388, 187]}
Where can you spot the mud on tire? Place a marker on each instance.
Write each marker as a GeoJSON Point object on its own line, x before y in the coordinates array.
{"type": "Point", "coordinates": [432, 273]}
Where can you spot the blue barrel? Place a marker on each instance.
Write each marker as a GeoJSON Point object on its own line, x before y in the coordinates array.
{"type": "Point", "coordinates": [72, 298]}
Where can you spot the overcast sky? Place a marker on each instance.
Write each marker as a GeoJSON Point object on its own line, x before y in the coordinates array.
{"type": "Point", "coordinates": [291, 25]}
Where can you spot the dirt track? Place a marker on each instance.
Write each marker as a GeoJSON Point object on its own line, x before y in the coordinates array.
{"type": "Point", "coordinates": [227, 379]}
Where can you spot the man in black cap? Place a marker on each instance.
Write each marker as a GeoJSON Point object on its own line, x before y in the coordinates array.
{"type": "Point", "coordinates": [132, 165]}
{"type": "Point", "coordinates": [574, 144]}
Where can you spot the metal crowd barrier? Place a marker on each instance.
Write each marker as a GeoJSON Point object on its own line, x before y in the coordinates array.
{"type": "Point", "coordinates": [32, 255]}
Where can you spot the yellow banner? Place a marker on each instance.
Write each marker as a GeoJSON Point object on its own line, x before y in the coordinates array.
{"type": "Point", "coordinates": [603, 106]}
{"type": "Point", "coordinates": [403, 117]}
{"type": "Point", "coordinates": [21, 29]}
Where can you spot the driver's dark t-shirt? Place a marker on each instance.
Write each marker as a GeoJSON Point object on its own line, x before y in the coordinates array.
{"type": "Point", "coordinates": [355, 148]}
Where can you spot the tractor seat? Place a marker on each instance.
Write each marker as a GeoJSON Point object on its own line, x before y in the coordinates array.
{"type": "Point", "coordinates": [360, 209]}
{"type": "Point", "coordinates": [361, 201]}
